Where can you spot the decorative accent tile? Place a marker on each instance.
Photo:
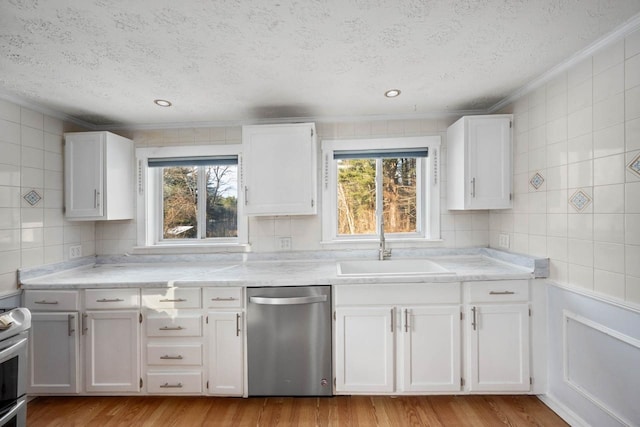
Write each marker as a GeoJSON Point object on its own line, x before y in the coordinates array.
{"type": "Point", "coordinates": [634, 166]}
{"type": "Point", "coordinates": [536, 181]}
{"type": "Point", "coordinates": [579, 200]}
{"type": "Point", "coordinates": [32, 197]}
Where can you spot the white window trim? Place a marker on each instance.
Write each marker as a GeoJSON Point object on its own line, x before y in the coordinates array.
{"type": "Point", "coordinates": [428, 217]}
{"type": "Point", "coordinates": [149, 201]}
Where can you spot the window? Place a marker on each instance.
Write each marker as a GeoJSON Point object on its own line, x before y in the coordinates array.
{"type": "Point", "coordinates": [391, 182]}
{"type": "Point", "coordinates": [191, 196]}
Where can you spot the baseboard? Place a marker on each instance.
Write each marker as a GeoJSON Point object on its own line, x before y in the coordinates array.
{"type": "Point", "coordinates": [563, 412]}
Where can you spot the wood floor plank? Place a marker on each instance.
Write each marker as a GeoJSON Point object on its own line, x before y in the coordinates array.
{"type": "Point", "coordinates": [355, 411]}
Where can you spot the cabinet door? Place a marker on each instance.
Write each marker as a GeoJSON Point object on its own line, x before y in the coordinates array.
{"type": "Point", "coordinates": [364, 338]}
{"type": "Point", "coordinates": [84, 162]}
{"type": "Point", "coordinates": [489, 162]}
{"type": "Point", "coordinates": [112, 355]}
{"type": "Point", "coordinates": [53, 353]}
{"type": "Point", "coordinates": [499, 348]}
{"type": "Point", "coordinates": [279, 169]}
{"type": "Point", "coordinates": [430, 348]}
{"type": "Point", "coordinates": [226, 359]}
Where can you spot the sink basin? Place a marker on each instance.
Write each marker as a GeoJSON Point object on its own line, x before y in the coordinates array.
{"type": "Point", "coordinates": [396, 267]}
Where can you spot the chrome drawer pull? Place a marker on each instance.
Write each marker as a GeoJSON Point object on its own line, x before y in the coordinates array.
{"type": "Point", "coordinates": [223, 299]}
{"type": "Point", "coordinates": [171, 328]}
{"type": "Point", "coordinates": [173, 300]}
{"type": "Point", "coordinates": [167, 357]}
{"type": "Point", "coordinates": [474, 322]}
{"type": "Point", "coordinates": [501, 293]}
{"type": "Point", "coordinates": [110, 300]}
{"type": "Point", "coordinates": [44, 301]}
{"type": "Point", "coordinates": [167, 385]}
{"type": "Point", "coordinates": [70, 319]}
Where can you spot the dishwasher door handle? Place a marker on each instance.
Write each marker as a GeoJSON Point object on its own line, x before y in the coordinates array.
{"type": "Point", "coordinates": [288, 300]}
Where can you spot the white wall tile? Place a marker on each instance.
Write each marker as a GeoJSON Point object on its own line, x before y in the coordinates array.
{"type": "Point", "coordinates": [580, 226]}
{"type": "Point", "coordinates": [632, 229]}
{"type": "Point", "coordinates": [632, 134]}
{"type": "Point", "coordinates": [32, 217]}
{"type": "Point", "coordinates": [608, 256]}
{"type": "Point", "coordinates": [10, 197]}
{"type": "Point", "coordinates": [608, 199]}
{"type": "Point", "coordinates": [609, 283]}
{"type": "Point", "coordinates": [632, 72]}
{"type": "Point", "coordinates": [608, 228]}
{"type": "Point", "coordinates": [557, 248]}
{"type": "Point", "coordinates": [537, 137]}
{"type": "Point", "coordinates": [608, 57]}
{"type": "Point", "coordinates": [609, 112]}
{"type": "Point", "coordinates": [581, 276]}
{"type": "Point", "coordinates": [608, 83]}
{"type": "Point", "coordinates": [538, 224]}
{"type": "Point", "coordinates": [32, 118]}
{"type": "Point", "coordinates": [580, 174]}
{"type": "Point", "coordinates": [9, 218]}
{"type": "Point", "coordinates": [537, 159]}
{"type": "Point", "coordinates": [9, 131]}
{"type": "Point", "coordinates": [557, 177]}
{"type": "Point", "coordinates": [632, 103]}
{"type": "Point", "coordinates": [9, 240]}
{"type": "Point", "coordinates": [556, 107]}
{"type": "Point", "coordinates": [53, 254]}
{"type": "Point", "coordinates": [632, 255]}
{"type": "Point", "coordinates": [632, 289]}
{"type": "Point", "coordinates": [520, 223]}
{"type": "Point", "coordinates": [580, 149]}
{"type": "Point", "coordinates": [580, 252]}
{"type": "Point", "coordinates": [32, 137]}
{"type": "Point", "coordinates": [537, 202]}
{"type": "Point", "coordinates": [9, 111]}
{"type": "Point", "coordinates": [557, 154]}
{"type": "Point", "coordinates": [557, 202]}
{"type": "Point", "coordinates": [580, 122]}
{"type": "Point", "coordinates": [32, 157]}
{"type": "Point", "coordinates": [559, 271]}
{"type": "Point", "coordinates": [10, 153]}
{"type": "Point", "coordinates": [557, 130]}
{"type": "Point", "coordinates": [32, 238]}
{"type": "Point", "coordinates": [9, 262]}
{"type": "Point", "coordinates": [580, 96]}
{"type": "Point", "coordinates": [609, 170]}
{"type": "Point", "coordinates": [538, 246]}
{"type": "Point", "coordinates": [608, 141]}
{"type": "Point", "coordinates": [32, 257]}
{"type": "Point", "coordinates": [537, 115]}
{"type": "Point", "coordinates": [632, 44]}
{"type": "Point", "coordinates": [580, 72]}
{"type": "Point", "coordinates": [632, 197]}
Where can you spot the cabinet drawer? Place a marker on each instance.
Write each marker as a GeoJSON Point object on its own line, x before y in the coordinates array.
{"type": "Point", "coordinates": [398, 294]}
{"type": "Point", "coordinates": [178, 355]}
{"type": "Point", "coordinates": [111, 298]}
{"type": "Point", "coordinates": [171, 298]}
{"type": "Point", "coordinates": [498, 291]}
{"type": "Point", "coordinates": [182, 325]}
{"type": "Point", "coordinates": [223, 297]}
{"type": "Point", "coordinates": [174, 382]}
{"type": "Point", "coordinates": [51, 300]}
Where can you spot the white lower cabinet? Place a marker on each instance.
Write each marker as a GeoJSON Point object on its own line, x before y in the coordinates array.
{"type": "Point", "coordinates": [498, 337]}
{"type": "Point", "coordinates": [112, 354]}
{"type": "Point", "coordinates": [398, 348]}
{"type": "Point", "coordinates": [54, 349]}
{"type": "Point", "coordinates": [226, 356]}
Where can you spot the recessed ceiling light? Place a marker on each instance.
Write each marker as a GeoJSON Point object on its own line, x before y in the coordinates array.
{"type": "Point", "coordinates": [392, 93]}
{"type": "Point", "coordinates": [162, 102]}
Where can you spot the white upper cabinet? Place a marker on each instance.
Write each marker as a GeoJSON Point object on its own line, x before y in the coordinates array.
{"type": "Point", "coordinates": [98, 177]}
{"type": "Point", "coordinates": [279, 169]}
{"type": "Point", "coordinates": [479, 163]}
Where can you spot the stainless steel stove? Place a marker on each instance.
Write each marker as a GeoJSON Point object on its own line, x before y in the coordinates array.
{"type": "Point", "coordinates": [14, 339]}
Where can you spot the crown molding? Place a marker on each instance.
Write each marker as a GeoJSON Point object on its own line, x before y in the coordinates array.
{"type": "Point", "coordinates": [616, 35]}
{"type": "Point", "coordinates": [46, 110]}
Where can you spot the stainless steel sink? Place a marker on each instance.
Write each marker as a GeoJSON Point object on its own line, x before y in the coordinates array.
{"type": "Point", "coordinates": [396, 267]}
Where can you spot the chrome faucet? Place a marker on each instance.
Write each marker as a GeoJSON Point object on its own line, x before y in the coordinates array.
{"type": "Point", "coordinates": [383, 252]}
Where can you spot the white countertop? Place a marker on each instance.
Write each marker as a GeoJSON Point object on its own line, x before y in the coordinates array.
{"type": "Point", "coordinates": [466, 267]}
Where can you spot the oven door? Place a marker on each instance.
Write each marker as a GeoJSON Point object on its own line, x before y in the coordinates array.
{"type": "Point", "coordinates": [15, 416]}
{"type": "Point", "coordinates": [13, 370]}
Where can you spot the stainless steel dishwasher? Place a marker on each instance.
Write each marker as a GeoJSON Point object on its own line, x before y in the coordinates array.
{"type": "Point", "coordinates": [289, 341]}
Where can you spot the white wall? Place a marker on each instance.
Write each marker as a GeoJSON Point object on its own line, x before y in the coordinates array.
{"type": "Point", "coordinates": [31, 159]}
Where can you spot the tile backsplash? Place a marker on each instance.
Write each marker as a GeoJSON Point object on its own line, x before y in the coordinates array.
{"type": "Point", "coordinates": [32, 226]}
{"type": "Point", "coordinates": [581, 133]}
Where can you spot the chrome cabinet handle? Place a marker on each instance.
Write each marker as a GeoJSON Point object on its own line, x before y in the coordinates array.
{"type": "Point", "coordinates": [223, 299]}
{"type": "Point", "coordinates": [501, 293]}
{"type": "Point", "coordinates": [392, 316]}
{"type": "Point", "coordinates": [167, 385]}
{"type": "Point", "coordinates": [171, 328]}
{"type": "Point", "coordinates": [406, 320]}
{"type": "Point", "coordinates": [110, 300]}
{"type": "Point", "coordinates": [167, 357]}
{"type": "Point", "coordinates": [44, 301]}
{"type": "Point", "coordinates": [237, 324]}
{"type": "Point", "coordinates": [84, 324]}
{"type": "Point", "coordinates": [473, 187]}
{"type": "Point", "coordinates": [246, 195]}
{"type": "Point", "coordinates": [70, 329]}
{"type": "Point", "coordinates": [173, 300]}
{"type": "Point", "coordinates": [473, 322]}
{"type": "Point", "coordinates": [96, 201]}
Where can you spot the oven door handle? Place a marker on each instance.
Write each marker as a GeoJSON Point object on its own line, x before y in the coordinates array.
{"type": "Point", "coordinates": [7, 352]}
{"type": "Point", "coordinates": [13, 412]}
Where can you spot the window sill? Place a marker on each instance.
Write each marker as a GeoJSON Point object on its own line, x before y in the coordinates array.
{"type": "Point", "coordinates": [191, 249]}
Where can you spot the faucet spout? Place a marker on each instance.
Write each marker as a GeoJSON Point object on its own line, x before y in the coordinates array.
{"type": "Point", "coordinates": [383, 252]}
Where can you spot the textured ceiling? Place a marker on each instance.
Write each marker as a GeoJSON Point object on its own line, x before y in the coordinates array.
{"type": "Point", "coordinates": [104, 61]}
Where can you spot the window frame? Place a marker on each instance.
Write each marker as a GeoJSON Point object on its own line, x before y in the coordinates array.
{"type": "Point", "coordinates": [428, 188]}
{"type": "Point", "coordinates": [149, 197]}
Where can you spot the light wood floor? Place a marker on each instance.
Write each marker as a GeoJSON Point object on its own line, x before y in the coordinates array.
{"type": "Point", "coordinates": [362, 411]}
